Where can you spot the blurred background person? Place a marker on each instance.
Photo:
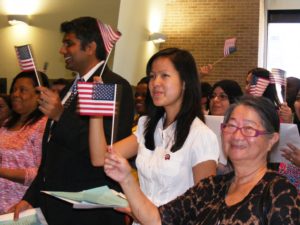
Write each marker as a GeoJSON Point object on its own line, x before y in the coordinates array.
{"type": "Point", "coordinates": [59, 84]}
{"type": "Point", "coordinates": [205, 91]}
{"type": "Point", "coordinates": [297, 110]}
{"type": "Point", "coordinates": [224, 93]}
{"type": "Point", "coordinates": [293, 98]}
{"type": "Point", "coordinates": [269, 92]}
{"type": "Point", "coordinates": [5, 108]}
{"type": "Point", "coordinates": [140, 101]}
{"type": "Point", "coordinates": [21, 139]}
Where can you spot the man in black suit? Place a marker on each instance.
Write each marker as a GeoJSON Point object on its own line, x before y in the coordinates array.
{"type": "Point", "coordinates": [66, 164]}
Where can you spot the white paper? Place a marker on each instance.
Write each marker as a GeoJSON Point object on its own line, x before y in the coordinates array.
{"type": "Point", "coordinates": [288, 134]}
{"type": "Point", "coordinates": [101, 197]}
{"type": "Point", "coordinates": [36, 215]}
{"type": "Point", "coordinates": [214, 123]}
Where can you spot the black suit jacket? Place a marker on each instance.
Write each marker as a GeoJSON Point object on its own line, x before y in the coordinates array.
{"type": "Point", "coordinates": [66, 164]}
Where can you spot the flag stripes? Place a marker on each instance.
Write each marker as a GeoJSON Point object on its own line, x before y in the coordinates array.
{"type": "Point", "coordinates": [25, 58]}
{"type": "Point", "coordinates": [229, 46]}
{"type": "Point", "coordinates": [109, 36]}
{"type": "Point", "coordinates": [258, 86]}
{"type": "Point", "coordinates": [278, 77]}
{"type": "Point", "coordinates": [95, 99]}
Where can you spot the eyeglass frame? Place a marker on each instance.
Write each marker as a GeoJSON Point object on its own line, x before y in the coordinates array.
{"type": "Point", "coordinates": [257, 132]}
{"type": "Point", "coordinates": [221, 97]}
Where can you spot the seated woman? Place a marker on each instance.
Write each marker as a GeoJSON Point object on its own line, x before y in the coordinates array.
{"type": "Point", "coordinates": [263, 87]}
{"type": "Point", "coordinates": [5, 108]}
{"type": "Point", "coordinates": [250, 195]}
{"type": "Point", "coordinates": [174, 148]}
{"type": "Point", "coordinates": [224, 93]}
{"type": "Point", "coordinates": [21, 140]}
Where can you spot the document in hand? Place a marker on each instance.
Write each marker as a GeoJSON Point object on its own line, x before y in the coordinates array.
{"type": "Point", "coordinates": [28, 217]}
{"type": "Point", "coordinates": [100, 197]}
{"type": "Point", "coordinates": [288, 134]}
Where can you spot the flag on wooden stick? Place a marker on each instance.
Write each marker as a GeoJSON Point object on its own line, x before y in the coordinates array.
{"type": "Point", "coordinates": [109, 37]}
{"type": "Point", "coordinates": [258, 86]}
{"type": "Point", "coordinates": [26, 61]}
{"type": "Point", "coordinates": [277, 77]}
{"type": "Point", "coordinates": [96, 99]}
{"type": "Point", "coordinates": [229, 46]}
{"type": "Point", "coordinates": [25, 58]}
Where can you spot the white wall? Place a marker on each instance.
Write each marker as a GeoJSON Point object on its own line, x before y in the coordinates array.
{"type": "Point", "coordinates": [283, 4]}
{"type": "Point", "coordinates": [137, 19]}
{"type": "Point", "coordinates": [43, 33]}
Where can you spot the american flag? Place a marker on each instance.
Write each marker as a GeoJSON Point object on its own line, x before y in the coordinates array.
{"type": "Point", "coordinates": [258, 86]}
{"type": "Point", "coordinates": [278, 77]}
{"type": "Point", "coordinates": [95, 99]}
{"type": "Point", "coordinates": [229, 46]}
{"type": "Point", "coordinates": [25, 58]}
{"type": "Point", "coordinates": [109, 36]}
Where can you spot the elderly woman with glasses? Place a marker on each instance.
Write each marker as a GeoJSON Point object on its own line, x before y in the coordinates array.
{"type": "Point", "coordinates": [251, 194]}
{"type": "Point", "coordinates": [224, 93]}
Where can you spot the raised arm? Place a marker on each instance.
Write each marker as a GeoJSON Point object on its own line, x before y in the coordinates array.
{"type": "Point", "coordinates": [127, 147]}
{"type": "Point", "coordinates": [117, 168]}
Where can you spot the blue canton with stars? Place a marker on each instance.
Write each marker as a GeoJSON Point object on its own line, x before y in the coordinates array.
{"type": "Point", "coordinates": [103, 92]}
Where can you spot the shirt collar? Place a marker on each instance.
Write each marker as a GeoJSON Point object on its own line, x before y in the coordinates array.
{"type": "Point", "coordinates": [91, 72]}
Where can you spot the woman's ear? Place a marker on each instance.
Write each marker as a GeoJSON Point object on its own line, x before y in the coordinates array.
{"type": "Point", "coordinates": [273, 140]}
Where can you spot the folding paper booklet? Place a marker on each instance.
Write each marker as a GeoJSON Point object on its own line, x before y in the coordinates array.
{"type": "Point", "coordinates": [100, 197]}
{"type": "Point", "coordinates": [288, 134]}
{"type": "Point", "coordinates": [214, 123]}
{"type": "Point", "coordinates": [28, 217]}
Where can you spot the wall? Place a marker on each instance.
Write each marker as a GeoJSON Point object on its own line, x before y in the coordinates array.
{"type": "Point", "coordinates": [43, 33]}
{"type": "Point", "coordinates": [201, 26]}
{"type": "Point", "coordinates": [283, 4]}
{"type": "Point", "coordinates": [137, 19]}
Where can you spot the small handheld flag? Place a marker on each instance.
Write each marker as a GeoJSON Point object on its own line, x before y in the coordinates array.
{"type": "Point", "coordinates": [96, 99]}
{"type": "Point", "coordinates": [277, 77]}
{"type": "Point", "coordinates": [258, 86]}
{"type": "Point", "coordinates": [109, 37]}
{"type": "Point", "coordinates": [229, 48]}
{"type": "Point", "coordinates": [25, 58]}
{"type": "Point", "coordinates": [26, 61]}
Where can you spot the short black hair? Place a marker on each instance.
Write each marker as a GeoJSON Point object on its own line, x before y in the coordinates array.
{"type": "Point", "coordinates": [86, 30]}
{"type": "Point", "coordinates": [231, 88]}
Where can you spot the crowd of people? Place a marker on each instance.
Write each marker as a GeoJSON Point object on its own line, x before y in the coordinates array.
{"type": "Point", "coordinates": [46, 145]}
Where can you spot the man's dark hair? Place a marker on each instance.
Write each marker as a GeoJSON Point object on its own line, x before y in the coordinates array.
{"type": "Point", "coordinates": [86, 30]}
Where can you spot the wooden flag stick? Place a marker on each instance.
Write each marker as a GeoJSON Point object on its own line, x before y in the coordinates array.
{"type": "Point", "coordinates": [113, 119]}
{"type": "Point", "coordinates": [105, 64]}
{"type": "Point", "coordinates": [35, 71]}
{"type": "Point", "coordinates": [219, 60]}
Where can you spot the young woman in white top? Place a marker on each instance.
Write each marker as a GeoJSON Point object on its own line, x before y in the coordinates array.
{"type": "Point", "coordinates": [174, 148]}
